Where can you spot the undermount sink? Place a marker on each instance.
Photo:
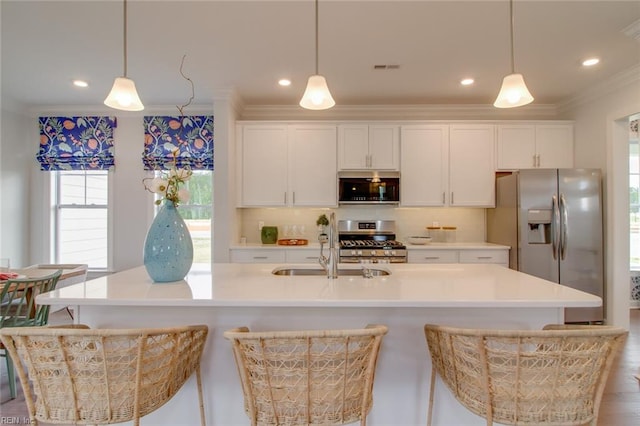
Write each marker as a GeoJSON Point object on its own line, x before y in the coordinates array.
{"type": "Point", "coordinates": [315, 271]}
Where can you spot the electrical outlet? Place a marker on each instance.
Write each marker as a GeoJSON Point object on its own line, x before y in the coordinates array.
{"type": "Point", "coordinates": [260, 225]}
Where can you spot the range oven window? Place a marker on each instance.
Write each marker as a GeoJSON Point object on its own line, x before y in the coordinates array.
{"type": "Point", "coordinates": [369, 189]}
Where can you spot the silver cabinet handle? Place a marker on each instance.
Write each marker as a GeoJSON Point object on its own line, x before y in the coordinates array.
{"type": "Point", "coordinates": [260, 257]}
{"type": "Point", "coordinates": [285, 197]}
{"type": "Point", "coordinates": [538, 157]}
{"type": "Point", "coordinates": [534, 160]}
{"type": "Point", "coordinates": [484, 257]}
{"type": "Point", "coordinates": [293, 196]}
{"type": "Point", "coordinates": [443, 195]}
{"type": "Point", "coordinates": [452, 202]}
{"type": "Point", "coordinates": [432, 257]}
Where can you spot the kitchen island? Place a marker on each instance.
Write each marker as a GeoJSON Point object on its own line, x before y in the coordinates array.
{"type": "Point", "coordinates": [225, 296]}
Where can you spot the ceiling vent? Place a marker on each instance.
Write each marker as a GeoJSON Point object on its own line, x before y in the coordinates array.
{"type": "Point", "coordinates": [386, 67]}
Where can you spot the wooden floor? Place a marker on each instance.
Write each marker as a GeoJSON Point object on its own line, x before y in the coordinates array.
{"type": "Point", "coordinates": [620, 404]}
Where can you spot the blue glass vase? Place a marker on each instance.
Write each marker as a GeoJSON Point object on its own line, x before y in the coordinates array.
{"type": "Point", "coordinates": [168, 249]}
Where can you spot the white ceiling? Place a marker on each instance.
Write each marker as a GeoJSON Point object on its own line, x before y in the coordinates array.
{"type": "Point", "coordinates": [249, 45]}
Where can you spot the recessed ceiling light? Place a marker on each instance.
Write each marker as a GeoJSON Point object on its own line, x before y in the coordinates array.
{"type": "Point", "coordinates": [590, 62]}
{"type": "Point", "coordinates": [80, 83]}
{"type": "Point", "coordinates": [466, 81]}
{"type": "Point", "coordinates": [284, 82]}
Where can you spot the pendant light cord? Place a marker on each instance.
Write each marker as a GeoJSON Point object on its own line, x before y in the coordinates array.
{"type": "Point", "coordinates": [125, 38]}
{"type": "Point", "coordinates": [316, 37]}
{"type": "Point", "coordinates": [513, 67]}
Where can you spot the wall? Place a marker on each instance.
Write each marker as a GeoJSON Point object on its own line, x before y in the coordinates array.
{"type": "Point", "coordinates": [409, 221]}
{"type": "Point", "coordinates": [601, 141]}
{"type": "Point", "coordinates": [132, 205]}
{"type": "Point", "coordinates": [16, 162]}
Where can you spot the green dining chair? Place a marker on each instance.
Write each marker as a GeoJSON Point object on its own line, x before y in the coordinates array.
{"type": "Point", "coordinates": [19, 309]}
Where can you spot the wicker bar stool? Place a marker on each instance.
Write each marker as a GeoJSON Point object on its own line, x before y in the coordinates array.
{"type": "Point", "coordinates": [554, 376]}
{"type": "Point", "coordinates": [307, 377]}
{"type": "Point", "coordinates": [103, 376]}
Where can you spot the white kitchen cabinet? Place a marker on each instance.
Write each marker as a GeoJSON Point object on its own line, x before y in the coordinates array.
{"type": "Point", "coordinates": [276, 254]}
{"type": "Point", "coordinates": [432, 256]}
{"type": "Point", "coordinates": [368, 147]}
{"type": "Point", "coordinates": [263, 164]}
{"type": "Point", "coordinates": [287, 165]}
{"type": "Point", "coordinates": [500, 257]}
{"type": "Point", "coordinates": [534, 145]}
{"type": "Point", "coordinates": [471, 165]}
{"type": "Point", "coordinates": [424, 160]}
{"type": "Point", "coordinates": [312, 165]}
{"type": "Point", "coordinates": [303, 255]}
{"type": "Point", "coordinates": [267, 255]}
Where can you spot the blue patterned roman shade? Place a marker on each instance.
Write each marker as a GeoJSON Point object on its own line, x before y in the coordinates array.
{"type": "Point", "coordinates": [76, 143]}
{"type": "Point", "coordinates": [191, 135]}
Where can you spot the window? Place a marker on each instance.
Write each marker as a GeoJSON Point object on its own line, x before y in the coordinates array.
{"type": "Point", "coordinates": [634, 194]}
{"type": "Point", "coordinates": [81, 218]}
{"type": "Point", "coordinates": [198, 213]}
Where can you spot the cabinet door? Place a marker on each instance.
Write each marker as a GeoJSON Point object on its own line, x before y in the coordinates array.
{"type": "Point", "coordinates": [312, 169]}
{"type": "Point", "coordinates": [263, 165]}
{"type": "Point", "coordinates": [516, 146]}
{"type": "Point", "coordinates": [257, 256]}
{"type": "Point", "coordinates": [424, 159]}
{"type": "Point", "coordinates": [384, 148]}
{"type": "Point", "coordinates": [303, 255]}
{"type": "Point", "coordinates": [554, 145]}
{"type": "Point", "coordinates": [500, 257]}
{"type": "Point", "coordinates": [432, 256]}
{"type": "Point", "coordinates": [353, 147]}
{"type": "Point", "coordinates": [471, 165]}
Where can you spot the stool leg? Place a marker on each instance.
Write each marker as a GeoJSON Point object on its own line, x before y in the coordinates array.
{"type": "Point", "coordinates": [431, 392]}
{"type": "Point", "coordinates": [12, 377]}
{"type": "Point", "coordinates": [200, 399]}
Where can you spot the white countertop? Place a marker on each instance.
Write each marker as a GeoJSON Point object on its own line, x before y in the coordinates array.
{"type": "Point", "coordinates": [253, 285]}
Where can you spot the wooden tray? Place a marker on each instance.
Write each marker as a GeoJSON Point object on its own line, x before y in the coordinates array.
{"type": "Point", "coordinates": [293, 242]}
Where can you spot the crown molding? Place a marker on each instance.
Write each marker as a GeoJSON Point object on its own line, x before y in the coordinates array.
{"type": "Point", "coordinates": [616, 82]}
{"type": "Point", "coordinates": [633, 30]}
{"type": "Point", "coordinates": [398, 112]}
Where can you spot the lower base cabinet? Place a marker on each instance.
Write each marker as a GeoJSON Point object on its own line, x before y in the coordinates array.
{"type": "Point", "coordinates": [275, 255]}
{"type": "Point", "coordinates": [497, 256]}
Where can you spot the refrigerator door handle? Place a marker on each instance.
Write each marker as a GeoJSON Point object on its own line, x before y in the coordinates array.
{"type": "Point", "coordinates": [555, 224]}
{"type": "Point", "coordinates": [564, 235]}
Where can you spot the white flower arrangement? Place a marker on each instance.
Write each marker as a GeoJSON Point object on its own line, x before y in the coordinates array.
{"type": "Point", "coordinates": [168, 185]}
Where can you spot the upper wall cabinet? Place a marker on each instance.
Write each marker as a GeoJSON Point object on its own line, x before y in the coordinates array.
{"type": "Point", "coordinates": [472, 165]}
{"type": "Point", "coordinates": [368, 147]}
{"type": "Point", "coordinates": [287, 165]}
{"type": "Point", "coordinates": [448, 165]}
{"type": "Point", "coordinates": [424, 159]}
{"type": "Point", "coordinates": [534, 145]}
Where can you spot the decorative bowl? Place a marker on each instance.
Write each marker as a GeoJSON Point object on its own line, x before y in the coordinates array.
{"type": "Point", "coordinates": [417, 240]}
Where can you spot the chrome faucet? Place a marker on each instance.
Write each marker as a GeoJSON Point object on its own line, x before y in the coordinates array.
{"type": "Point", "coordinates": [330, 263]}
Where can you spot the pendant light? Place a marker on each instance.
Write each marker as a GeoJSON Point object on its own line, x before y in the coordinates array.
{"type": "Point", "coordinates": [317, 95]}
{"type": "Point", "coordinates": [514, 92]}
{"type": "Point", "coordinates": [123, 94]}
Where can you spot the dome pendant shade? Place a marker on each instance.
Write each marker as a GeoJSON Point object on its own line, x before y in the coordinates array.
{"type": "Point", "coordinates": [317, 95]}
{"type": "Point", "coordinates": [513, 93]}
{"type": "Point", "coordinates": [124, 96]}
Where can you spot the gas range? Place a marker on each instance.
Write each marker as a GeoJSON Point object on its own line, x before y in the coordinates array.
{"type": "Point", "coordinates": [372, 240]}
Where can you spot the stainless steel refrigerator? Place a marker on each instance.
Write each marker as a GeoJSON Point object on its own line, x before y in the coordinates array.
{"type": "Point", "coordinates": [552, 219]}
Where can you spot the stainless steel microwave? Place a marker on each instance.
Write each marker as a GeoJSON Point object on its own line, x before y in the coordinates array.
{"type": "Point", "coordinates": [369, 187]}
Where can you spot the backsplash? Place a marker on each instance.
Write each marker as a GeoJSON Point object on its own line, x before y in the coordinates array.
{"type": "Point", "coordinates": [470, 222]}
